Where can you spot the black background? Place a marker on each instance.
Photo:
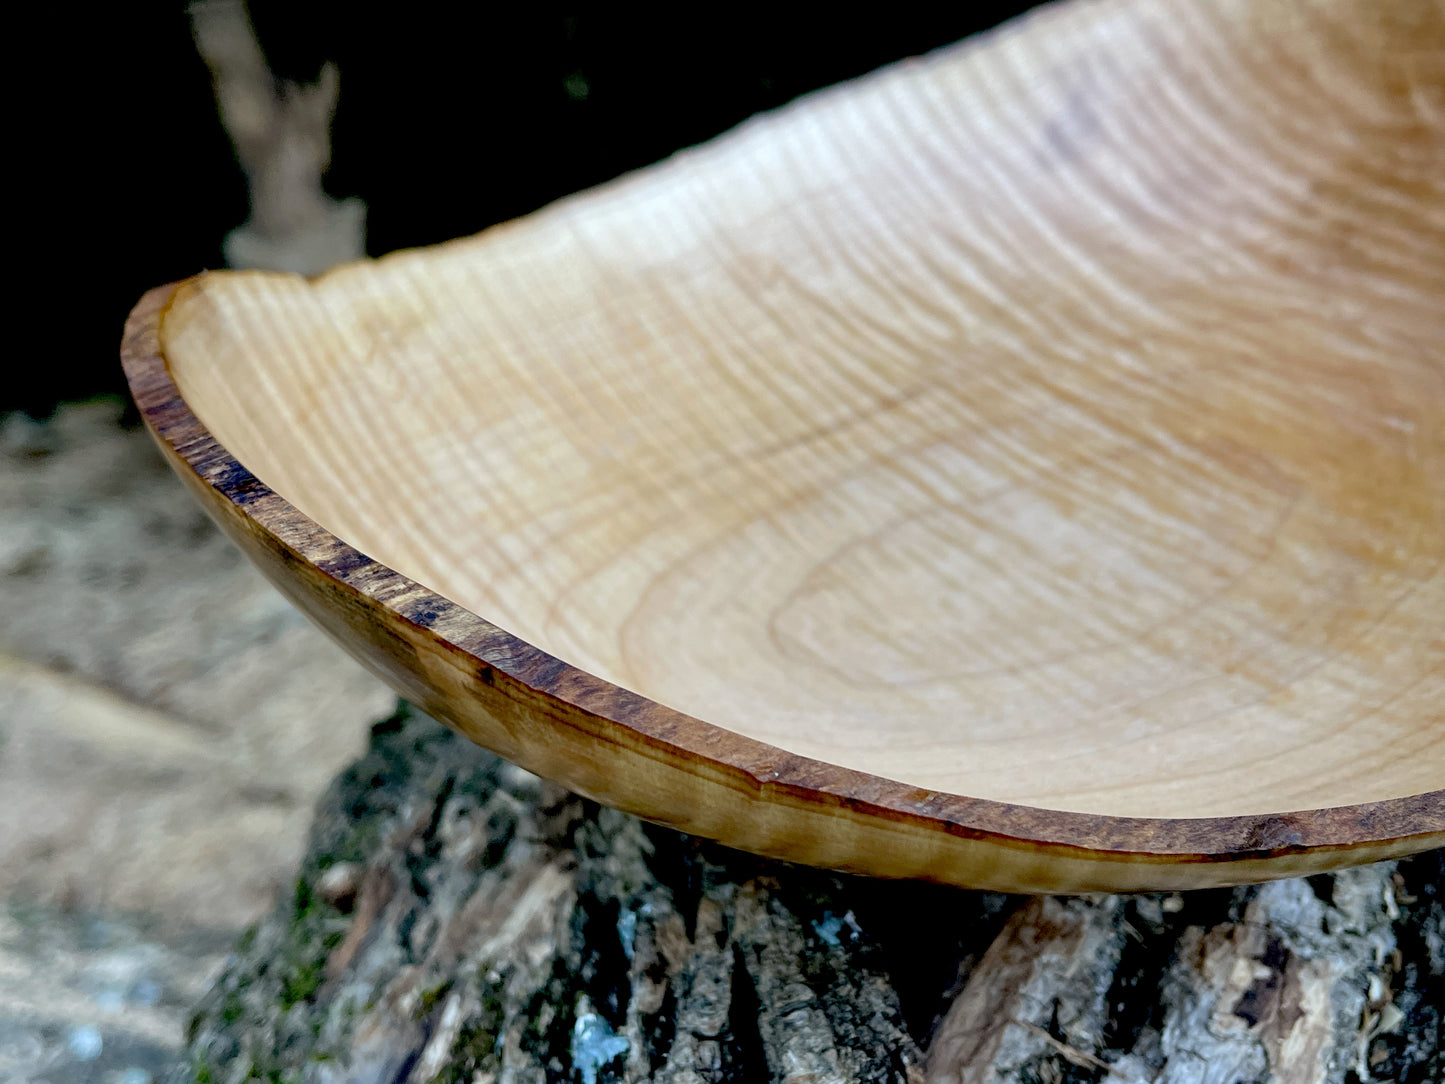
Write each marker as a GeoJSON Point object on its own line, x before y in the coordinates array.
{"type": "Point", "coordinates": [452, 117]}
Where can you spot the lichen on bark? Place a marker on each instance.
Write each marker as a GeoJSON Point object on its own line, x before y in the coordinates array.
{"type": "Point", "coordinates": [457, 919]}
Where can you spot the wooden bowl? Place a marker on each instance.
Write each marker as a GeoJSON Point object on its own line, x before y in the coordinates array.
{"type": "Point", "coordinates": [1021, 468]}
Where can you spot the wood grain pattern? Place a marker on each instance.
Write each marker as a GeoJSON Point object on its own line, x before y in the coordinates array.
{"type": "Point", "coordinates": [1058, 421]}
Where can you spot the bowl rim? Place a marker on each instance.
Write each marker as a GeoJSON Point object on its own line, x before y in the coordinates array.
{"type": "Point", "coordinates": [638, 721]}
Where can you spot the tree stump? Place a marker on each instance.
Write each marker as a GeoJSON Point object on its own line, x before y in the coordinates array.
{"type": "Point", "coordinates": [458, 919]}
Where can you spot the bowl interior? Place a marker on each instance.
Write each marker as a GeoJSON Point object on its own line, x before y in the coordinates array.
{"type": "Point", "coordinates": [1015, 435]}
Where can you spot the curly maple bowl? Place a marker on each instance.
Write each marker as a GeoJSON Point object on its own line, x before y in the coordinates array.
{"type": "Point", "coordinates": [1022, 468]}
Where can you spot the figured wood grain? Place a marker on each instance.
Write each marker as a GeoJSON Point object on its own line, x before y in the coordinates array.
{"type": "Point", "coordinates": [1057, 421]}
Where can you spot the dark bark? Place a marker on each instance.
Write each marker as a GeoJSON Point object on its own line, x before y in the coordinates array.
{"type": "Point", "coordinates": [457, 919]}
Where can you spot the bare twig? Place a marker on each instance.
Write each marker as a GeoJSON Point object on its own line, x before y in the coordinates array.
{"type": "Point", "coordinates": [1073, 1055]}
{"type": "Point", "coordinates": [282, 135]}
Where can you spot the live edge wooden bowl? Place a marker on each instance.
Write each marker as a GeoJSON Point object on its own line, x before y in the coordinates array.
{"type": "Point", "coordinates": [1021, 468]}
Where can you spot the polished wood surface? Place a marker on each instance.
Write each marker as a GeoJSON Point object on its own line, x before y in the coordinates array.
{"type": "Point", "coordinates": [1051, 430]}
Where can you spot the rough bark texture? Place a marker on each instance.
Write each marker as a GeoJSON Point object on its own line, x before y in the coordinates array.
{"type": "Point", "coordinates": [456, 919]}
